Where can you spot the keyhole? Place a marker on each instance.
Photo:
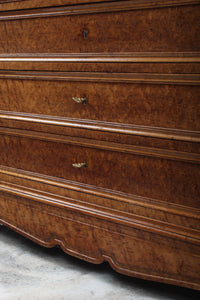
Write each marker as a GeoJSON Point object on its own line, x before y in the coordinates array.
{"type": "Point", "coordinates": [85, 34]}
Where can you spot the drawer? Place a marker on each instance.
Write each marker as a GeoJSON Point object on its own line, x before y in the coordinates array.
{"type": "Point", "coordinates": [89, 29]}
{"type": "Point", "coordinates": [158, 105]}
{"type": "Point", "coordinates": [152, 177]}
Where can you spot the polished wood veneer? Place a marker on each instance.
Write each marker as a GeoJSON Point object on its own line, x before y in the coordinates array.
{"type": "Point", "coordinates": [126, 31]}
{"type": "Point", "coordinates": [163, 179]}
{"type": "Point", "coordinates": [150, 100]}
{"type": "Point", "coordinates": [99, 131]}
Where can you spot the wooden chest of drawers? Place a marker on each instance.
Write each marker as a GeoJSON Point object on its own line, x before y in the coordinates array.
{"type": "Point", "coordinates": [99, 131]}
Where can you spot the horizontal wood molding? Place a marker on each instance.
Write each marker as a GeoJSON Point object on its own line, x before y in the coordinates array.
{"type": "Point", "coordinates": [47, 2]}
{"type": "Point", "coordinates": [109, 214]}
{"type": "Point", "coordinates": [27, 4]}
{"type": "Point", "coordinates": [183, 79]}
{"type": "Point", "coordinates": [141, 2]}
{"type": "Point", "coordinates": [28, 176]}
{"type": "Point", "coordinates": [93, 8]}
{"type": "Point", "coordinates": [110, 146]}
{"type": "Point", "coordinates": [6, 1]}
{"type": "Point", "coordinates": [6, 5]}
{"type": "Point", "coordinates": [155, 132]}
{"type": "Point", "coordinates": [141, 57]}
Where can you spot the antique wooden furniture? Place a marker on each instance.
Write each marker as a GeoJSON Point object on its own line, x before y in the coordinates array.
{"type": "Point", "coordinates": [99, 131]}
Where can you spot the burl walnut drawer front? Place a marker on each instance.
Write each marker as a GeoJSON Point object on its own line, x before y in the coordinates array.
{"type": "Point", "coordinates": [159, 105]}
{"type": "Point", "coordinates": [89, 29]}
{"type": "Point", "coordinates": [160, 178]}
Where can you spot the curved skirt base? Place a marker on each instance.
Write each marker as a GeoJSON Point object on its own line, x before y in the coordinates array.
{"type": "Point", "coordinates": [129, 249]}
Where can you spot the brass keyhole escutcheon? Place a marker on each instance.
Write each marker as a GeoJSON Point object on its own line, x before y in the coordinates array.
{"type": "Point", "coordinates": [85, 34]}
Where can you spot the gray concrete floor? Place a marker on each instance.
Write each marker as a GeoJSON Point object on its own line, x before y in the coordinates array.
{"type": "Point", "coordinates": [31, 272]}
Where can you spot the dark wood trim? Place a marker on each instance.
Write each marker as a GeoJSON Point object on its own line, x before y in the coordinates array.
{"type": "Point", "coordinates": [139, 222]}
{"type": "Point", "coordinates": [8, 1]}
{"type": "Point", "coordinates": [156, 132]}
{"type": "Point", "coordinates": [93, 8]}
{"type": "Point", "coordinates": [183, 79]}
{"type": "Point", "coordinates": [28, 4]}
{"type": "Point", "coordinates": [149, 203]}
{"type": "Point", "coordinates": [110, 146]}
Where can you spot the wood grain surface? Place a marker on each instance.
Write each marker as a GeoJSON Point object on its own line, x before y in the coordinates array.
{"type": "Point", "coordinates": [137, 99]}
{"type": "Point", "coordinates": [24, 4]}
{"type": "Point", "coordinates": [104, 241]}
{"type": "Point", "coordinates": [115, 178]}
{"type": "Point", "coordinates": [161, 179]}
{"type": "Point", "coordinates": [124, 31]}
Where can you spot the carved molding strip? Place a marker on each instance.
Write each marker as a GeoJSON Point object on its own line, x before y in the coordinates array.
{"type": "Point", "coordinates": [6, 1]}
{"type": "Point", "coordinates": [141, 2]}
{"type": "Point", "coordinates": [134, 57]}
{"type": "Point", "coordinates": [110, 146]}
{"type": "Point", "coordinates": [146, 78]}
{"type": "Point", "coordinates": [93, 8]}
{"type": "Point", "coordinates": [157, 205]}
{"type": "Point", "coordinates": [139, 222]}
{"type": "Point", "coordinates": [156, 132]}
{"type": "Point", "coordinates": [28, 4]}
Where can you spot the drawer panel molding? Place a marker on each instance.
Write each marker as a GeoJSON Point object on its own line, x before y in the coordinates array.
{"type": "Point", "coordinates": [87, 194]}
{"type": "Point", "coordinates": [139, 130]}
{"type": "Point", "coordinates": [109, 214]}
{"type": "Point", "coordinates": [110, 146]}
{"type": "Point", "coordinates": [94, 8]}
{"type": "Point", "coordinates": [183, 79]}
{"type": "Point", "coordinates": [129, 57]}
